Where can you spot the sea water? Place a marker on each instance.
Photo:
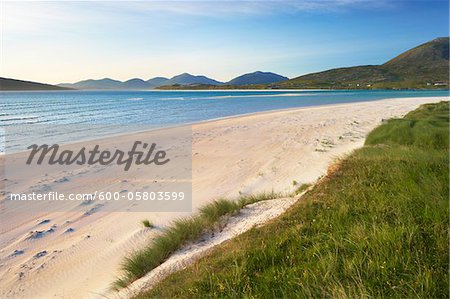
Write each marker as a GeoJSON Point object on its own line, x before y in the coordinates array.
{"type": "Point", "coordinates": [83, 114]}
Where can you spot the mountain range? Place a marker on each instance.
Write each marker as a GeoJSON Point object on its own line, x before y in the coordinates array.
{"type": "Point", "coordinates": [425, 66]}
{"type": "Point", "coordinates": [182, 79]}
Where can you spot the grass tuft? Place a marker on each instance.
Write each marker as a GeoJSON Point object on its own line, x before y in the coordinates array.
{"type": "Point", "coordinates": [147, 223]}
{"type": "Point", "coordinates": [301, 188]}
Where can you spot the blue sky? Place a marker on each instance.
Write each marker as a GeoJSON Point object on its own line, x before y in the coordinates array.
{"type": "Point", "coordinates": [67, 41]}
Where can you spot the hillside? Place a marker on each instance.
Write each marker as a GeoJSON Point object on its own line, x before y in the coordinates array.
{"type": "Point", "coordinates": [425, 66]}
{"type": "Point", "coordinates": [257, 78]}
{"type": "Point", "coordinates": [12, 84]}
{"type": "Point", "coordinates": [427, 62]}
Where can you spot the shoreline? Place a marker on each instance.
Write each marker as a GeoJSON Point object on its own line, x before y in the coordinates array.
{"type": "Point", "coordinates": [230, 117]}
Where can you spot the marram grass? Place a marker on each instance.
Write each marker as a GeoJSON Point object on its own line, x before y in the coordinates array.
{"type": "Point", "coordinates": [181, 232]}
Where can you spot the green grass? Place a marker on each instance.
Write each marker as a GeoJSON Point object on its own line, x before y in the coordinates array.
{"type": "Point", "coordinates": [147, 223]}
{"type": "Point", "coordinates": [426, 128]}
{"type": "Point", "coordinates": [181, 232]}
{"type": "Point", "coordinates": [377, 226]}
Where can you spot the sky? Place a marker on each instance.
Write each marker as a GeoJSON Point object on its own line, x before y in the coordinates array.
{"type": "Point", "coordinates": [64, 41]}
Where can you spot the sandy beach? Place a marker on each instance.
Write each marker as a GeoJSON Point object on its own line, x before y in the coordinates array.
{"type": "Point", "coordinates": [233, 156]}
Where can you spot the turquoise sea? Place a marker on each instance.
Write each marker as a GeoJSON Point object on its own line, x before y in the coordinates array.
{"type": "Point", "coordinates": [115, 109]}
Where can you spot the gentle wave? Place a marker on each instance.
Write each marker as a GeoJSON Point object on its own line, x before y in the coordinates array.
{"type": "Point", "coordinates": [24, 117]}
{"type": "Point", "coordinates": [259, 96]}
{"type": "Point", "coordinates": [174, 99]}
{"type": "Point", "coordinates": [239, 96]}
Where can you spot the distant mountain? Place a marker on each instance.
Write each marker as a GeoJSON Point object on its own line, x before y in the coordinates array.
{"type": "Point", "coordinates": [425, 66]}
{"type": "Point", "coordinates": [136, 83]}
{"type": "Point", "coordinates": [157, 81]}
{"type": "Point", "coordinates": [257, 78]}
{"type": "Point", "coordinates": [12, 84]}
{"type": "Point", "coordinates": [106, 83]}
{"type": "Point", "coordinates": [188, 79]}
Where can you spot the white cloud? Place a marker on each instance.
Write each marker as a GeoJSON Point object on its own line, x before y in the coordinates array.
{"type": "Point", "coordinates": [45, 17]}
{"type": "Point", "coordinates": [246, 7]}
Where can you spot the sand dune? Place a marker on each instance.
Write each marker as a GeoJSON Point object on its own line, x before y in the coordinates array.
{"type": "Point", "coordinates": [252, 215]}
{"type": "Point", "coordinates": [75, 254]}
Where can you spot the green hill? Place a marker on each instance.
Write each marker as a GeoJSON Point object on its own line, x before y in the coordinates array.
{"type": "Point", "coordinates": [12, 84]}
{"type": "Point", "coordinates": [425, 66]}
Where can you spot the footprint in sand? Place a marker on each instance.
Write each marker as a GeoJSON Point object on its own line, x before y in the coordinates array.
{"type": "Point", "coordinates": [44, 221]}
{"type": "Point", "coordinates": [40, 254]}
{"type": "Point", "coordinates": [69, 230]}
{"type": "Point", "coordinates": [87, 202]}
{"type": "Point", "coordinates": [33, 235]}
{"type": "Point", "coordinates": [61, 180]}
{"type": "Point", "coordinates": [40, 188]}
{"type": "Point", "coordinates": [18, 252]}
{"type": "Point", "coordinates": [93, 210]}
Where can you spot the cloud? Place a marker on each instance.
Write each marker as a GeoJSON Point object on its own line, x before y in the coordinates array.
{"type": "Point", "coordinates": [66, 11]}
{"type": "Point", "coordinates": [40, 18]}
{"type": "Point", "coordinates": [36, 18]}
{"type": "Point", "coordinates": [220, 8]}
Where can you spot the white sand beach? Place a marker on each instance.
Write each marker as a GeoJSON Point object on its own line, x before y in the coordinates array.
{"type": "Point", "coordinates": [233, 156]}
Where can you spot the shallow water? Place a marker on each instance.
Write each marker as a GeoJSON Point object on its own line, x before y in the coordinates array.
{"type": "Point", "coordinates": [99, 113]}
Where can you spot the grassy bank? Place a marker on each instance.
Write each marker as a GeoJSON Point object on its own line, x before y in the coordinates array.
{"type": "Point", "coordinates": [181, 232]}
{"type": "Point", "coordinates": [376, 226]}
